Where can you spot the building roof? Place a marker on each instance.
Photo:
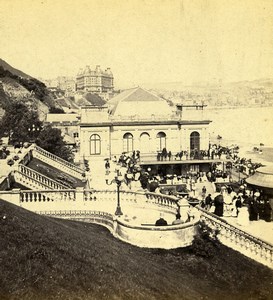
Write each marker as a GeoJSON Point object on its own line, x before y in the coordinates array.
{"type": "Point", "coordinates": [94, 99]}
{"type": "Point", "coordinates": [66, 103]}
{"type": "Point", "coordinates": [138, 101]}
{"type": "Point", "coordinates": [62, 118]}
{"type": "Point", "coordinates": [263, 177]}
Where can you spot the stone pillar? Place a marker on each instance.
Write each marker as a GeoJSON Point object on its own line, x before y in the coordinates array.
{"type": "Point", "coordinates": [15, 197]}
{"type": "Point", "coordinates": [115, 225]}
{"type": "Point", "coordinates": [79, 194]}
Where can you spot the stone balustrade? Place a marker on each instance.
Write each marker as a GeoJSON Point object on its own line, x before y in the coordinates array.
{"type": "Point", "coordinates": [151, 198]}
{"type": "Point", "coordinates": [239, 240]}
{"type": "Point", "coordinates": [35, 180]}
{"type": "Point", "coordinates": [166, 237]}
{"type": "Point", "coordinates": [57, 162]}
{"type": "Point", "coordinates": [96, 199]}
{"type": "Point", "coordinates": [46, 196]}
{"type": "Point", "coordinates": [87, 216]}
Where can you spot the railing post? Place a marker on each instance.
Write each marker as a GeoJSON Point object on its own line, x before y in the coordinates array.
{"type": "Point", "coordinates": [15, 197]}
{"type": "Point", "coordinates": [79, 194]}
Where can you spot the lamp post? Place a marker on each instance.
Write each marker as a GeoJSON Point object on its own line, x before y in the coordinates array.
{"type": "Point", "coordinates": [117, 180]}
{"type": "Point", "coordinates": [32, 130]}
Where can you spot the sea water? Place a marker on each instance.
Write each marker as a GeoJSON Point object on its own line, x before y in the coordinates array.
{"type": "Point", "coordinates": [245, 127]}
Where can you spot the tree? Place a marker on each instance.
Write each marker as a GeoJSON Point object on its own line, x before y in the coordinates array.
{"type": "Point", "coordinates": [51, 140]}
{"type": "Point", "coordinates": [23, 125]}
{"type": "Point", "coordinates": [16, 123]}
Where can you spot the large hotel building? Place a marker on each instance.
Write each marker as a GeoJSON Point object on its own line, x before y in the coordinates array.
{"type": "Point", "coordinates": [97, 81]}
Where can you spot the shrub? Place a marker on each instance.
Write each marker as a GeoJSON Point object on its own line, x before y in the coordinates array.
{"type": "Point", "coordinates": [205, 243]}
{"type": "Point", "coordinates": [16, 157]}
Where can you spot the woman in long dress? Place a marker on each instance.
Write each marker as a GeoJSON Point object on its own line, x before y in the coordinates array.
{"type": "Point", "coordinates": [243, 216]}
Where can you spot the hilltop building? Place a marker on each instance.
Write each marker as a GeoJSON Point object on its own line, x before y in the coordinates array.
{"type": "Point", "coordinates": [95, 80]}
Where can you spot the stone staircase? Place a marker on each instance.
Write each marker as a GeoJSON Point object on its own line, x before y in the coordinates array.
{"type": "Point", "coordinates": [35, 180]}
{"type": "Point", "coordinates": [57, 162]}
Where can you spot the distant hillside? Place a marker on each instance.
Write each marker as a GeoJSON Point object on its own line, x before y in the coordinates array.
{"type": "Point", "coordinates": [17, 86]}
{"type": "Point", "coordinates": [46, 258]}
{"type": "Point", "coordinates": [242, 93]}
{"type": "Point", "coordinates": [12, 70]}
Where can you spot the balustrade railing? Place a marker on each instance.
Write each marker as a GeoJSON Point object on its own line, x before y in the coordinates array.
{"type": "Point", "coordinates": [251, 246]}
{"type": "Point", "coordinates": [46, 156]}
{"type": "Point", "coordinates": [144, 158]}
{"type": "Point", "coordinates": [47, 196]}
{"type": "Point", "coordinates": [164, 200]}
{"type": "Point", "coordinates": [100, 217]}
{"type": "Point", "coordinates": [28, 176]}
{"type": "Point", "coordinates": [98, 196]}
{"type": "Point", "coordinates": [148, 197]}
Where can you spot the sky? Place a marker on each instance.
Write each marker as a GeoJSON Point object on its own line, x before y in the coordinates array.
{"type": "Point", "coordinates": [142, 41]}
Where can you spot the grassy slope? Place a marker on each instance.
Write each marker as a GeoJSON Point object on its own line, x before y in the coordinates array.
{"type": "Point", "coordinates": [43, 258]}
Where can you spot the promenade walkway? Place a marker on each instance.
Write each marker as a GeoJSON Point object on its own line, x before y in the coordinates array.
{"type": "Point", "coordinates": [260, 229]}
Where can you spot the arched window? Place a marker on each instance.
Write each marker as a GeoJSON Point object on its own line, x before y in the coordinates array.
{"type": "Point", "coordinates": [161, 141]}
{"type": "Point", "coordinates": [128, 142]}
{"type": "Point", "coordinates": [95, 144]}
{"type": "Point", "coordinates": [145, 146]}
{"type": "Point", "coordinates": [195, 141]}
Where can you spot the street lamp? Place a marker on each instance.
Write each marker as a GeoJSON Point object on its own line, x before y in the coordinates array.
{"type": "Point", "coordinates": [118, 180]}
{"type": "Point", "coordinates": [34, 128]}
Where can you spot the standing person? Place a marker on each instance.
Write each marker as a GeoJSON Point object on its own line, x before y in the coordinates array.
{"type": "Point", "coordinates": [267, 211]}
{"type": "Point", "coordinates": [253, 209]}
{"type": "Point", "coordinates": [107, 166]}
{"type": "Point", "coordinates": [238, 204]}
{"type": "Point", "coordinates": [219, 205]}
{"type": "Point", "coordinates": [243, 216]}
{"type": "Point", "coordinates": [208, 202]}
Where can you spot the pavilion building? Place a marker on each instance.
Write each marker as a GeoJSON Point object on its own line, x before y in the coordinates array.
{"type": "Point", "coordinates": [139, 120]}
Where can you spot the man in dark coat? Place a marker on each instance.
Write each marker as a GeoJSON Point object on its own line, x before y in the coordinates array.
{"type": "Point", "coordinates": [219, 205]}
{"type": "Point", "coordinates": [253, 209]}
{"type": "Point", "coordinates": [161, 222]}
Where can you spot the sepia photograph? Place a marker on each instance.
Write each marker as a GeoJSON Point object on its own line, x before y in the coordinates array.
{"type": "Point", "coordinates": [136, 149]}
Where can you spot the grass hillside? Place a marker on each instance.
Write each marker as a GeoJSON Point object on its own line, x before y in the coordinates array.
{"type": "Point", "coordinates": [44, 258]}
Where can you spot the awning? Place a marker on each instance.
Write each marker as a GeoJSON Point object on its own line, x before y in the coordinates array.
{"type": "Point", "coordinates": [263, 177]}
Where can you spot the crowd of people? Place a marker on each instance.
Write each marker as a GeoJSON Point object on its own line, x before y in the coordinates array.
{"type": "Point", "coordinates": [214, 151]}
{"type": "Point", "coordinates": [247, 205]}
{"type": "Point", "coordinates": [127, 166]}
{"type": "Point", "coordinates": [243, 204]}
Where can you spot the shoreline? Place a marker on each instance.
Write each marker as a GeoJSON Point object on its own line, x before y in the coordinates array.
{"type": "Point", "coordinates": [236, 107]}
